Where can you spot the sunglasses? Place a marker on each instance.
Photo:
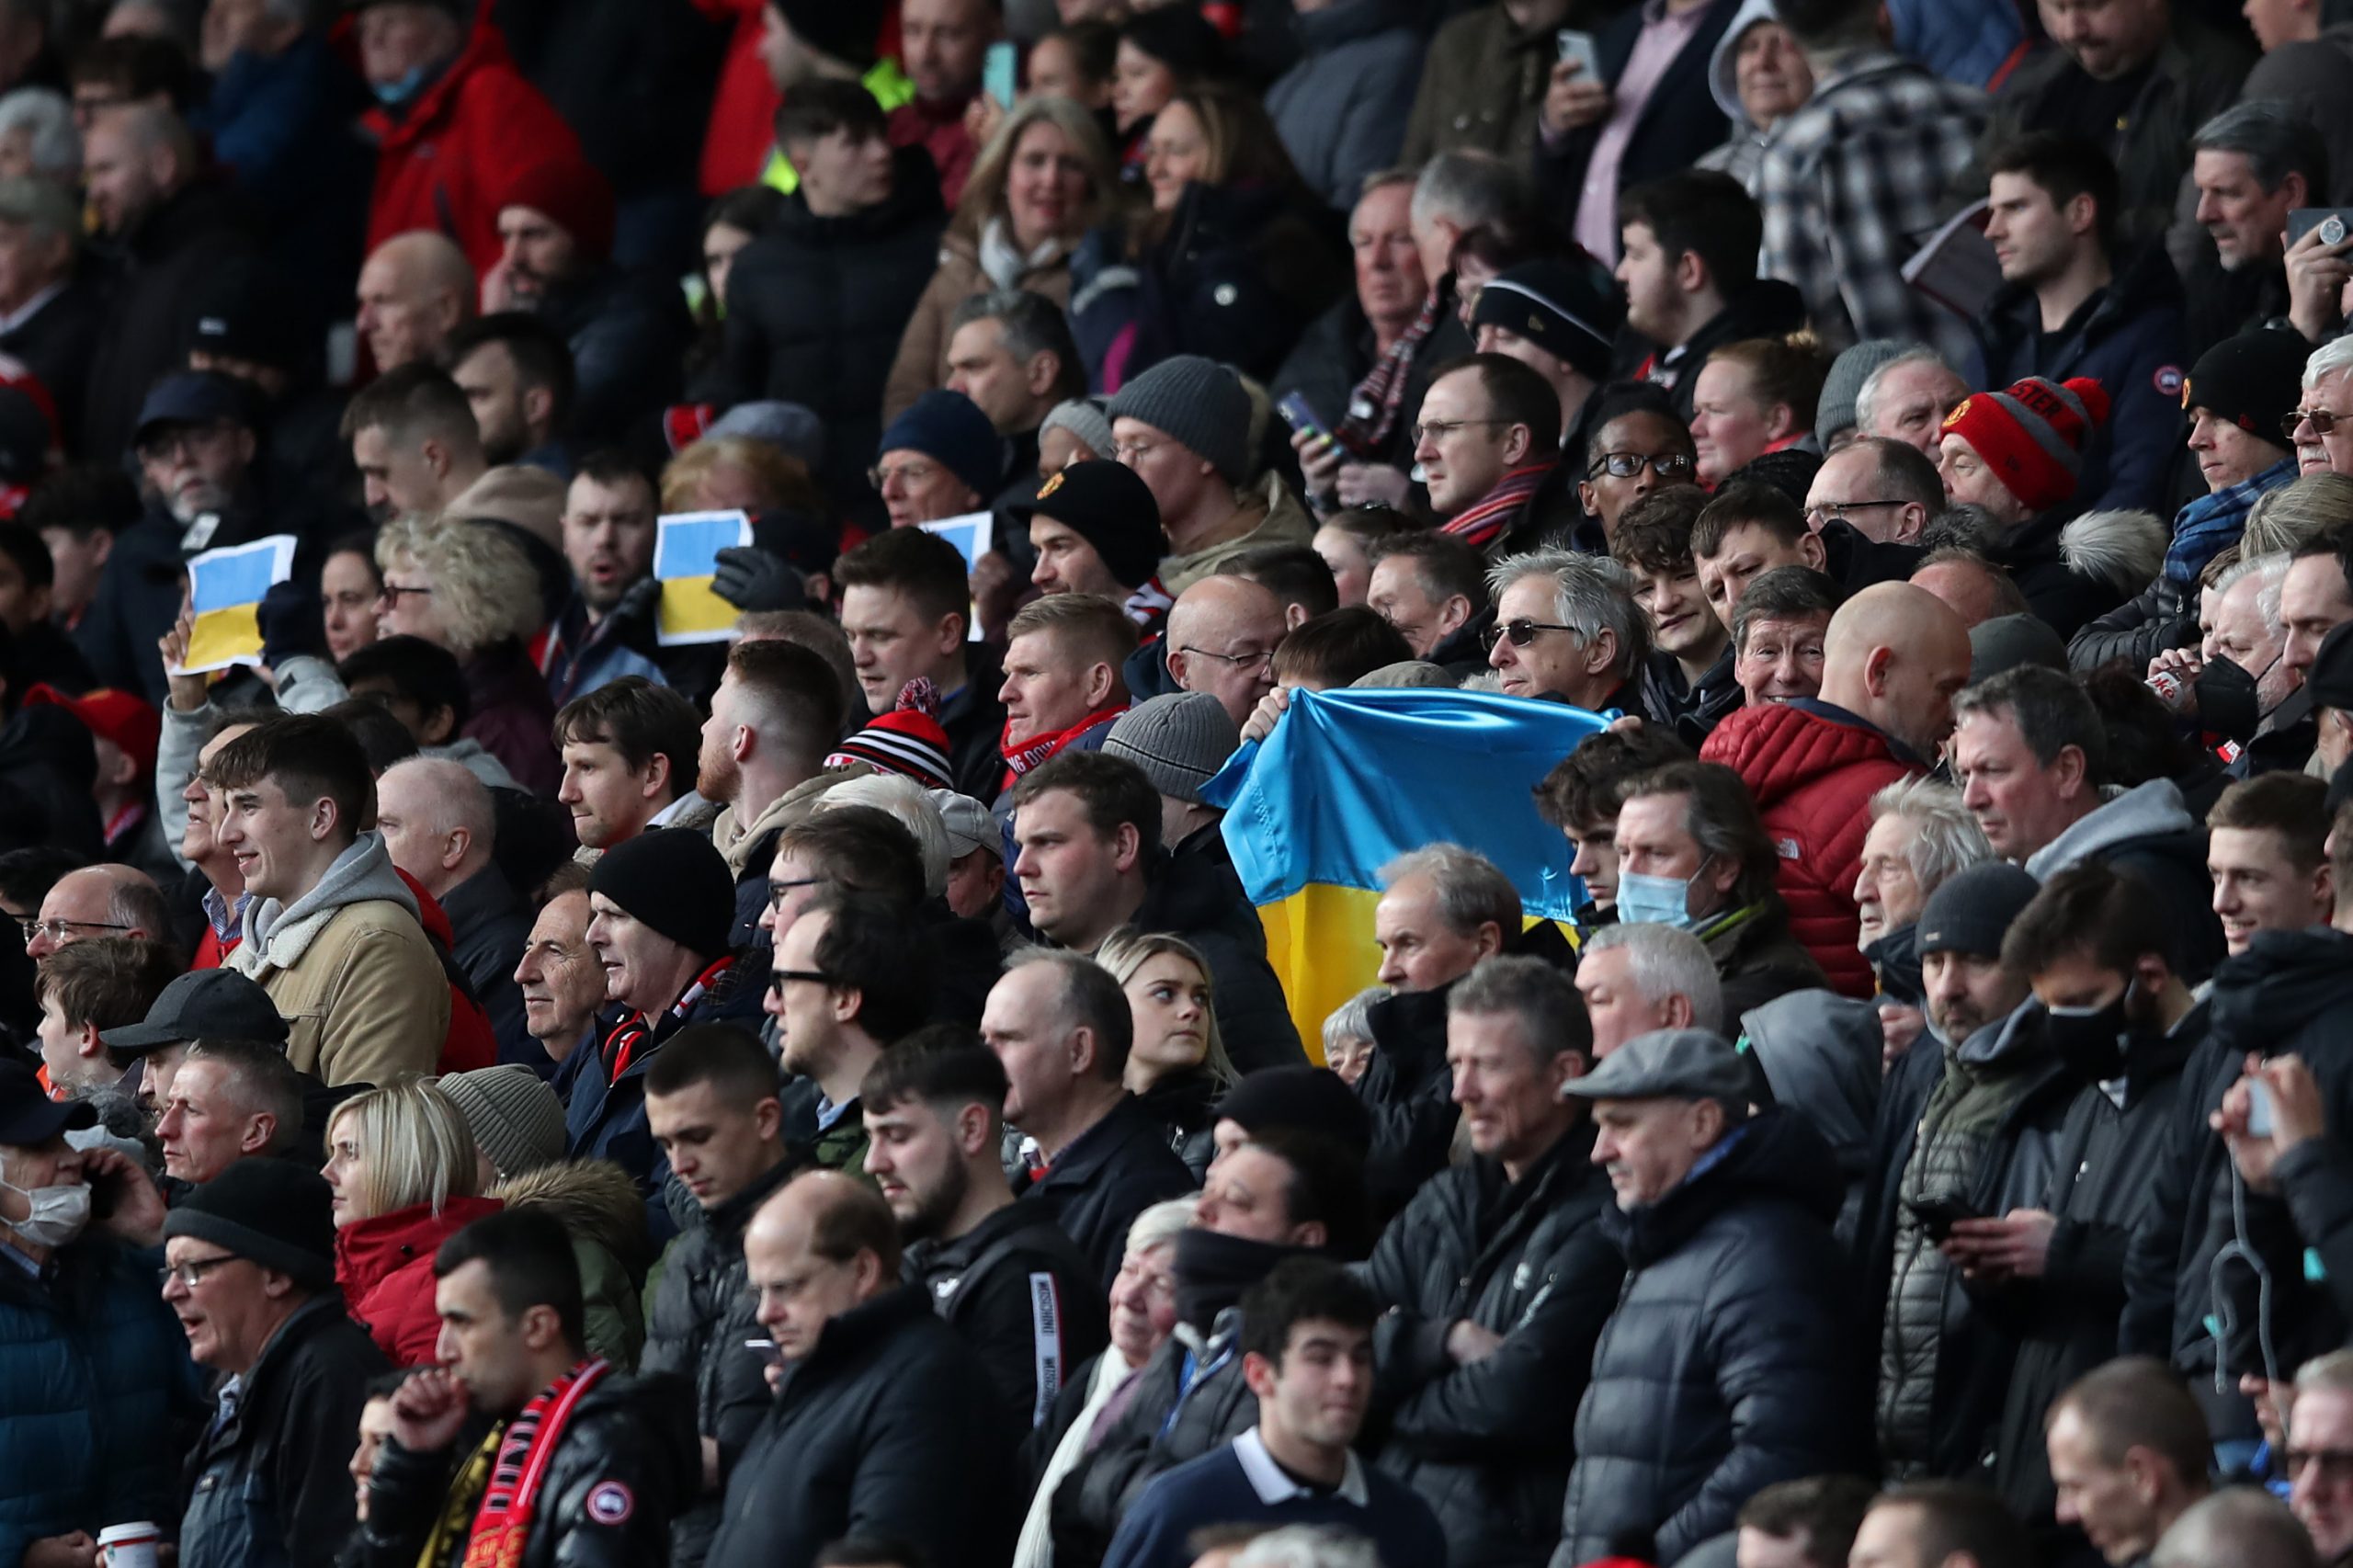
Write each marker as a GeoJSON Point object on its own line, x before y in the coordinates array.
{"type": "Point", "coordinates": [2322, 421]}
{"type": "Point", "coordinates": [1521, 633]}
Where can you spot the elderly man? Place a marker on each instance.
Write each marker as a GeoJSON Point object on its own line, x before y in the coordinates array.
{"type": "Point", "coordinates": [894, 1423]}
{"type": "Point", "coordinates": [1220, 640]}
{"type": "Point", "coordinates": [1185, 426]}
{"type": "Point", "coordinates": [1883, 489]}
{"type": "Point", "coordinates": [1742, 1302]}
{"type": "Point", "coordinates": [1920, 835]}
{"type": "Point", "coordinates": [560, 978]}
{"type": "Point", "coordinates": [1778, 632]}
{"type": "Point", "coordinates": [2320, 1426]}
{"type": "Point", "coordinates": [1908, 398]}
{"type": "Point", "coordinates": [442, 829]}
{"type": "Point", "coordinates": [1893, 660]}
{"type": "Point", "coordinates": [249, 1271]}
{"type": "Point", "coordinates": [2322, 430]}
{"type": "Point", "coordinates": [1635, 979]}
{"type": "Point", "coordinates": [414, 292]}
{"type": "Point", "coordinates": [941, 458]}
{"type": "Point", "coordinates": [97, 901]}
{"type": "Point", "coordinates": [1432, 588]}
{"type": "Point", "coordinates": [1567, 628]}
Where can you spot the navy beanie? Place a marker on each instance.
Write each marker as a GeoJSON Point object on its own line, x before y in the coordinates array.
{"type": "Point", "coordinates": [950, 428]}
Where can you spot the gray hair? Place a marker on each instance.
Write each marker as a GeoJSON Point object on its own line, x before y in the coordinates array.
{"type": "Point", "coordinates": [1662, 962]}
{"type": "Point", "coordinates": [2282, 520]}
{"type": "Point", "coordinates": [1552, 1015]}
{"type": "Point", "coordinates": [2240, 1526]}
{"type": "Point", "coordinates": [260, 1079]}
{"type": "Point", "coordinates": [1946, 839]}
{"type": "Point", "coordinates": [910, 805]}
{"type": "Point", "coordinates": [1157, 1226]}
{"type": "Point", "coordinates": [1470, 186]}
{"type": "Point", "coordinates": [1352, 1019]}
{"type": "Point", "coordinates": [2331, 1374]}
{"type": "Point", "coordinates": [1030, 324]}
{"type": "Point", "coordinates": [48, 116]}
{"type": "Point", "coordinates": [1471, 890]}
{"type": "Point", "coordinates": [1592, 593]}
{"type": "Point", "coordinates": [2272, 569]}
{"type": "Point", "coordinates": [2276, 139]}
{"type": "Point", "coordinates": [1867, 396]}
{"type": "Point", "coordinates": [1307, 1545]}
{"type": "Point", "coordinates": [2330, 357]}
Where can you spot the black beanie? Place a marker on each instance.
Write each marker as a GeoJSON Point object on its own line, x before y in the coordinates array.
{"type": "Point", "coordinates": [846, 29]}
{"type": "Point", "coordinates": [1308, 1099]}
{"type": "Point", "coordinates": [674, 881]}
{"type": "Point", "coordinates": [1971, 911]}
{"type": "Point", "coordinates": [271, 1211]}
{"type": "Point", "coordinates": [2254, 380]}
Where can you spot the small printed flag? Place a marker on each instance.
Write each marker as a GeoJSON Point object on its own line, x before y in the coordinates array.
{"type": "Point", "coordinates": [686, 556]}
{"type": "Point", "coordinates": [972, 535]}
{"type": "Point", "coordinates": [225, 588]}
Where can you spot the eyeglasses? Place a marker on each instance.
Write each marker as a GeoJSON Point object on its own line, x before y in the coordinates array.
{"type": "Point", "coordinates": [2321, 419]}
{"type": "Point", "coordinates": [392, 591]}
{"type": "Point", "coordinates": [1132, 452]}
{"type": "Point", "coordinates": [1521, 633]}
{"type": "Point", "coordinates": [1625, 465]}
{"type": "Point", "coordinates": [1835, 511]}
{"type": "Point", "coordinates": [2336, 1464]}
{"type": "Point", "coordinates": [170, 444]}
{"type": "Point", "coordinates": [1440, 428]}
{"type": "Point", "coordinates": [191, 1274]}
{"type": "Point", "coordinates": [1262, 659]}
{"type": "Point", "coordinates": [814, 976]}
{"type": "Point", "coordinates": [776, 890]}
{"type": "Point", "coordinates": [910, 475]}
{"type": "Point", "coordinates": [58, 930]}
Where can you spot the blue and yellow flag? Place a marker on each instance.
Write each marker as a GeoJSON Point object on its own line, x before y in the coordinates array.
{"type": "Point", "coordinates": [225, 588]}
{"type": "Point", "coordinates": [1349, 781]}
{"type": "Point", "coordinates": [686, 553]}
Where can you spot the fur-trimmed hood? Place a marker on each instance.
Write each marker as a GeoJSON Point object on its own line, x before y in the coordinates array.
{"type": "Point", "coordinates": [590, 1198]}
{"type": "Point", "coordinates": [2124, 549]}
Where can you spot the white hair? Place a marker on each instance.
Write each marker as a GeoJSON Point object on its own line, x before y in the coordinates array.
{"type": "Point", "coordinates": [1867, 395]}
{"type": "Point", "coordinates": [1591, 594]}
{"type": "Point", "coordinates": [907, 803]}
{"type": "Point", "coordinates": [2329, 360]}
{"type": "Point", "coordinates": [2272, 569]}
{"type": "Point", "coordinates": [1352, 1019]}
{"type": "Point", "coordinates": [1662, 961]}
{"type": "Point", "coordinates": [1158, 1225]}
{"type": "Point", "coordinates": [1946, 837]}
{"type": "Point", "coordinates": [1307, 1545]}
{"type": "Point", "coordinates": [48, 115]}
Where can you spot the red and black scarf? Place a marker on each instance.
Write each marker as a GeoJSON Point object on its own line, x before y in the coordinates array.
{"type": "Point", "coordinates": [1374, 406]}
{"type": "Point", "coordinates": [1028, 753]}
{"type": "Point", "coordinates": [1479, 524]}
{"type": "Point", "coordinates": [503, 1523]}
{"type": "Point", "coordinates": [622, 1046]}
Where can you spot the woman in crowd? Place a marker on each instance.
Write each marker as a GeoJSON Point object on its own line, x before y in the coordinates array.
{"type": "Point", "coordinates": [735, 220]}
{"type": "Point", "coordinates": [1346, 542]}
{"type": "Point", "coordinates": [1160, 52]}
{"type": "Point", "coordinates": [349, 587]}
{"type": "Point", "coordinates": [1178, 1065]}
{"type": "Point", "coordinates": [1753, 397]}
{"type": "Point", "coordinates": [1760, 77]}
{"type": "Point", "coordinates": [400, 1161]}
{"type": "Point", "coordinates": [1035, 190]}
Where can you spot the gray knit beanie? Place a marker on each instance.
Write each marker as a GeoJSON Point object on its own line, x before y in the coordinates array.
{"type": "Point", "coordinates": [516, 1118]}
{"type": "Point", "coordinates": [1834, 413]}
{"type": "Point", "coordinates": [1199, 404]}
{"type": "Point", "coordinates": [1083, 417]}
{"type": "Point", "coordinates": [1179, 739]}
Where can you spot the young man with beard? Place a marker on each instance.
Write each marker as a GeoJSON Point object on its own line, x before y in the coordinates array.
{"type": "Point", "coordinates": [1002, 1273]}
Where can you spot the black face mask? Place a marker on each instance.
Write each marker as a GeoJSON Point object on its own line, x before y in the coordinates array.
{"type": "Point", "coordinates": [2226, 701]}
{"type": "Point", "coordinates": [2092, 1040]}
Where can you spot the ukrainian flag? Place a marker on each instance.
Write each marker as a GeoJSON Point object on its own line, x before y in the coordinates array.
{"type": "Point", "coordinates": [1351, 779]}
{"type": "Point", "coordinates": [225, 588]}
{"type": "Point", "coordinates": [686, 555]}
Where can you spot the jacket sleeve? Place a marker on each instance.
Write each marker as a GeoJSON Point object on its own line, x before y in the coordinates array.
{"type": "Point", "coordinates": [1149, 1537]}
{"type": "Point", "coordinates": [917, 1475]}
{"type": "Point", "coordinates": [1796, 232]}
{"type": "Point", "coordinates": [313, 1481]}
{"type": "Point", "coordinates": [2135, 632]}
{"type": "Point", "coordinates": [915, 369]}
{"type": "Point", "coordinates": [387, 1010]}
{"type": "Point", "coordinates": [740, 373]}
{"type": "Point", "coordinates": [1372, 124]}
{"type": "Point", "coordinates": [1410, 1140]}
{"type": "Point", "coordinates": [2316, 1179]}
{"type": "Point", "coordinates": [616, 1513]}
{"type": "Point", "coordinates": [2143, 424]}
{"type": "Point", "coordinates": [1253, 1018]}
{"type": "Point", "coordinates": [2153, 1252]}
{"type": "Point", "coordinates": [181, 740]}
{"type": "Point", "coordinates": [1026, 1351]}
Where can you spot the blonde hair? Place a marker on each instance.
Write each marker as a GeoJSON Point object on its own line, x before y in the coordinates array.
{"type": "Point", "coordinates": [908, 804]}
{"type": "Point", "coordinates": [783, 479]}
{"type": "Point", "coordinates": [2301, 509]}
{"type": "Point", "coordinates": [416, 1144]}
{"type": "Point", "coordinates": [984, 187]}
{"type": "Point", "coordinates": [1125, 952]}
{"type": "Point", "coordinates": [484, 586]}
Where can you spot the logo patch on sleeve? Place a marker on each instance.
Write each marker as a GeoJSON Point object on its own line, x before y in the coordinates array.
{"type": "Point", "coordinates": [611, 1504]}
{"type": "Point", "coordinates": [2171, 383]}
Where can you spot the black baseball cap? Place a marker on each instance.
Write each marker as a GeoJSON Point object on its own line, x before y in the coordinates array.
{"type": "Point", "coordinates": [28, 1118]}
{"type": "Point", "coordinates": [193, 397]}
{"type": "Point", "coordinates": [204, 1003]}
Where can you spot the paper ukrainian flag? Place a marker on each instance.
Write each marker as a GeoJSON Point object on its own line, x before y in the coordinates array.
{"type": "Point", "coordinates": [1348, 781]}
{"type": "Point", "coordinates": [686, 552]}
{"type": "Point", "coordinates": [972, 535]}
{"type": "Point", "coordinates": [225, 588]}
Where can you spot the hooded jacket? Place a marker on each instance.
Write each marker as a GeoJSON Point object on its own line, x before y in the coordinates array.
{"type": "Point", "coordinates": [597, 1206]}
{"type": "Point", "coordinates": [889, 1424]}
{"type": "Point", "coordinates": [2149, 831]}
{"type": "Point", "coordinates": [2073, 569]}
{"type": "Point", "coordinates": [384, 1266]}
{"type": "Point", "coordinates": [1282, 519]}
{"type": "Point", "coordinates": [350, 968]}
{"type": "Point", "coordinates": [1488, 1445]}
{"type": "Point", "coordinates": [1742, 154]}
{"type": "Point", "coordinates": [270, 1487]}
{"type": "Point", "coordinates": [1341, 110]}
{"type": "Point", "coordinates": [1109, 1173]}
{"type": "Point", "coordinates": [1729, 1362]}
{"type": "Point", "coordinates": [1812, 769]}
{"type": "Point", "coordinates": [1406, 1088]}
{"type": "Point", "coordinates": [699, 1317]}
{"type": "Point", "coordinates": [749, 848]}
{"type": "Point", "coordinates": [1820, 1055]}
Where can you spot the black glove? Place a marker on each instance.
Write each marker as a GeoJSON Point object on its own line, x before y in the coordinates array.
{"type": "Point", "coordinates": [750, 578]}
{"type": "Point", "coordinates": [292, 622]}
{"type": "Point", "coordinates": [637, 603]}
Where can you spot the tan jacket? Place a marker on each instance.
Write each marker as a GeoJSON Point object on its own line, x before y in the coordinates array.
{"type": "Point", "coordinates": [1281, 519]}
{"type": "Point", "coordinates": [738, 842]}
{"type": "Point", "coordinates": [922, 364]}
{"type": "Point", "coordinates": [348, 966]}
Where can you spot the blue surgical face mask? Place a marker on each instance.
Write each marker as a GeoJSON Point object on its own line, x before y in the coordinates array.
{"type": "Point", "coordinates": [392, 94]}
{"type": "Point", "coordinates": [1656, 900]}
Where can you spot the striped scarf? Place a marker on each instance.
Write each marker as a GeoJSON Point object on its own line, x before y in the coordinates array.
{"type": "Point", "coordinates": [1481, 522]}
{"type": "Point", "coordinates": [1375, 406]}
{"type": "Point", "coordinates": [1028, 753]}
{"type": "Point", "coordinates": [507, 1471]}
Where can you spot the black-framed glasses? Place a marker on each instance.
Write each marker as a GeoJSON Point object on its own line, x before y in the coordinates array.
{"type": "Point", "coordinates": [58, 930]}
{"type": "Point", "coordinates": [1835, 511]}
{"type": "Point", "coordinates": [390, 592]}
{"type": "Point", "coordinates": [777, 977]}
{"type": "Point", "coordinates": [2322, 421]}
{"type": "Point", "coordinates": [1424, 430]}
{"type": "Point", "coordinates": [1625, 465]}
{"type": "Point", "coordinates": [776, 890]}
{"type": "Point", "coordinates": [1263, 657]}
{"type": "Point", "coordinates": [191, 1273]}
{"type": "Point", "coordinates": [1521, 633]}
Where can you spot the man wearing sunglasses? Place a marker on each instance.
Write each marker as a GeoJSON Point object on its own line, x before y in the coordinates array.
{"type": "Point", "coordinates": [1566, 628]}
{"type": "Point", "coordinates": [2322, 430]}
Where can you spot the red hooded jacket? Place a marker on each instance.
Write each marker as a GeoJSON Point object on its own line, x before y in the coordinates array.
{"type": "Point", "coordinates": [1812, 770]}
{"type": "Point", "coordinates": [385, 1267]}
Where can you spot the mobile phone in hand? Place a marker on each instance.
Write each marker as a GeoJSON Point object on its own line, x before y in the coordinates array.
{"type": "Point", "coordinates": [1000, 73]}
{"type": "Point", "coordinates": [1581, 48]}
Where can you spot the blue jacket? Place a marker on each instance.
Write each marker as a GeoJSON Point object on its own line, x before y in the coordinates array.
{"type": "Point", "coordinates": [1973, 43]}
{"type": "Point", "coordinates": [2131, 338]}
{"type": "Point", "coordinates": [97, 1378]}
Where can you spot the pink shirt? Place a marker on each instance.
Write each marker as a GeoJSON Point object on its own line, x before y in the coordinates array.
{"type": "Point", "coordinates": [1662, 39]}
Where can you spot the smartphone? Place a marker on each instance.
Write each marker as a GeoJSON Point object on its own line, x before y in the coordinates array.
{"type": "Point", "coordinates": [1000, 73]}
{"type": "Point", "coordinates": [2336, 224]}
{"type": "Point", "coordinates": [1937, 1214]}
{"type": "Point", "coordinates": [2258, 1107]}
{"type": "Point", "coordinates": [1581, 48]}
{"type": "Point", "coordinates": [1300, 417]}
{"type": "Point", "coordinates": [765, 1350]}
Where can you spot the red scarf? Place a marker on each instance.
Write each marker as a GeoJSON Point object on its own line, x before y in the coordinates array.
{"type": "Point", "coordinates": [1479, 523]}
{"type": "Point", "coordinates": [1022, 758]}
{"type": "Point", "coordinates": [503, 1523]}
{"type": "Point", "coordinates": [1375, 406]}
{"type": "Point", "coordinates": [620, 1048]}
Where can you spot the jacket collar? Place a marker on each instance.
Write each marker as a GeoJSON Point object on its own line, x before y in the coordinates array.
{"type": "Point", "coordinates": [1093, 1150]}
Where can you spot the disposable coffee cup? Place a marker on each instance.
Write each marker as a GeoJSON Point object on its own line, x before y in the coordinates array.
{"type": "Point", "coordinates": [127, 1546]}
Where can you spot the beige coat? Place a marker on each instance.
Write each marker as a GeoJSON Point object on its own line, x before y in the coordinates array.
{"type": "Point", "coordinates": [1280, 519]}
{"type": "Point", "coordinates": [738, 842]}
{"type": "Point", "coordinates": [922, 364]}
{"type": "Point", "coordinates": [348, 966]}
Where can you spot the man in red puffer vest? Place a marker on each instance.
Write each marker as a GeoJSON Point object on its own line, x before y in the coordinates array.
{"type": "Point", "coordinates": [1892, 661]}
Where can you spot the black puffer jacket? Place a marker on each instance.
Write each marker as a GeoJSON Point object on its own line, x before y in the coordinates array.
{"type": "Point", "coordinates": [1410, 1095]}
{"type": "Point", "coordinates": [815, 309]}
{"type": "Point", "coordinates": [1731, 1362]}
{"type": "Point", "coordinates": [629, 1444]}
{"type": "Point", "coordinates": [270, 1488]}
{"type": "Point", "coordinates": [890, 1423]}
{"type": "Point", "coordinates": [1024, 1297]}
{"type": "Point", "coordinates": [703, 1311]}
{"type": "Point", "coordinates": [1488, 1446]}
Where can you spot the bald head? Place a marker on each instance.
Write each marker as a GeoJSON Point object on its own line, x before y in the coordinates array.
{"type": "Point", "coordinates": [437, 821]}
{"type": "Point", "coordinates": [1222, 636]}
{"type": "Point", "coordinates": [1894, 655]}
{"type": "Point", "coordinates": [824, 1245]}
{"type": "Point", "coordinates": [133, 157]}
{"type": "Point", "coordinates": [415, 290]}
{"type": "Point", "coordinates": [1973, 588]}
{"type": "Point", "coordinates": [111, 900]}
{"type": "Point", "coordinates": [2243, 1526]}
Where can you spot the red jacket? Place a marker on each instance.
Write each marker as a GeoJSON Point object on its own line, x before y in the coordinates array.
{"type": "Point", "coordinates": [1812, 770]}
{"type": "Point", "coordinates": [735, 148]}
{"type": "Point", "coordinates": [385, 1267]}
{"type": "Point", "coordinates": [443, 165]}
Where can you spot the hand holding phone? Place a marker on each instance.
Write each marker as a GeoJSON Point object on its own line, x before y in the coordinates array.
{"type": "Point", "coordinates": [1300, 417]}
{"type": "Point", "coordinates": [1000, 73]}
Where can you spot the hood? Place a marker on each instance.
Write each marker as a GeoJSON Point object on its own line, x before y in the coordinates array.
{"type": "Point", "coordinates": [2148, 811]}
{"type": "Point", "coordinates": [1345, 22]}
{"type": "Point", "coordinates": [2284, 980]}
{"type": "Point", "coordinates": [1820, 1053]}
{"type": "Point", "coordinates": [1779, 748]}
{"type": "Point", "coordinates": [1895, 958]}
{"type": "Point", "coordinates": [739, 844]}
{"type": "Point", "coordinates": [2125, 549]}
{"type": "Point", "coordinates": [593, 1200]}
{"type": "Point", "coordinates": [913, 199]}
{"type": "Point", "coordinates": [2004, 1042]}
{"type": "Point", "coordinates": [1777, 1156]}
{"type": "Point", "coordinates": [362, 874]}
{"type": "Point", "coordinates": [1722, 80]}
{"type": "Point", "coordinates": [367, 1250]}
{"type": "Point", "coordinates": [470, 754]}
{"type": "Point", "coordinates": [1281, 518]}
